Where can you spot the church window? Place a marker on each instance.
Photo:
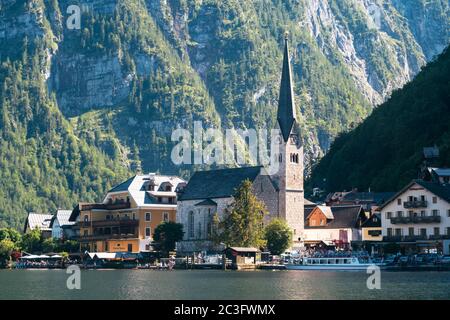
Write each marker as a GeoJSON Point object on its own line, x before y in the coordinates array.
{"type": "Point", "coordinates": [191, 224]}
{"type": "Point", "coordinates": [280, 158]}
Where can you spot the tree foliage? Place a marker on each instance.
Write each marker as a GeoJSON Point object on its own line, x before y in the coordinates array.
{"type": "Point", "coordinates": [278, 236]}
{"type": "Point", "coordinates": [242, 224]}
{"type": "Point", "coordinates": [167, 234]}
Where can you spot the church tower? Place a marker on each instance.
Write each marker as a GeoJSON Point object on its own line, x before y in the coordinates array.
{"type": "Point", "coordinates": [290, 173]}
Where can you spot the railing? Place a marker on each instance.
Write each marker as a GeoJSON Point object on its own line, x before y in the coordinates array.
{"type": "Point", "coordinates": [414, 238]}
{"type": "Point", "coordinates": [110, 223]}
{"type": "Point", "coordinates": [106, 237]}
{"type": "Point", "coordinates": [415, 204]}
{"type": "Point", "coordinates": [105, 206]}
{"type": "Point", "coordinates": [407, 220]}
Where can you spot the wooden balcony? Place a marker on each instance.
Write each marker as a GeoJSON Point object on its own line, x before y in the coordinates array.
{"type": "Point", "coordinates": [110, 223]}
{"type": "Point", "coordinates": [415, 220]}
{"type": "Point", "coordinates": [415, 204]}
{"type": "Point", "coordinates": [95, 237]}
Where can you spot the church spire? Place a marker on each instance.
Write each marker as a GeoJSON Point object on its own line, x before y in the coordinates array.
{"type": "Point", "coordinates": [286, 106]}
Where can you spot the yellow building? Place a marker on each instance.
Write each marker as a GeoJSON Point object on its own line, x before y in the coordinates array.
{"type": "Point", "coordinates": [371, 229]}
{"type": "Point", "coordinates": [129, 214]}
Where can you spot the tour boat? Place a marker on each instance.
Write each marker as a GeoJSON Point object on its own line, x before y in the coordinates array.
{"type": "Point", "coordinates": [336, 263]}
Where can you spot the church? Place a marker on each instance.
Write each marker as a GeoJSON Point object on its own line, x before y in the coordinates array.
{"type": "Point", "coordinates": [210, 192]}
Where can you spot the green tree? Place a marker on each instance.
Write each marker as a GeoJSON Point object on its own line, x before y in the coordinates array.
{"type": "Point", "coordinates": [32, 241]}
{"type": "Point", "coordinates": [167, 234]}
{"type": "Point", "coordinates": [6, 248]}
{"type": "Point", "coordinates": [49, 245]}
{"type": "Point", "coordinates": [278, 236]}
{"type": "Point", "coordinates": [243, 222]}
{"type": "Point", "coordinates": [11, 234]}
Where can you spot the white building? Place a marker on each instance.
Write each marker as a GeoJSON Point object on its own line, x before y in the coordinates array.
{"type": "Point", "coordinates": [61, 226]}
{"type": "Point", "coordinates": [418, 214]}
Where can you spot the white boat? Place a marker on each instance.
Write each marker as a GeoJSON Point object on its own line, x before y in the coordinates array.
{"type": "Point", "coordinates": [336, 263]}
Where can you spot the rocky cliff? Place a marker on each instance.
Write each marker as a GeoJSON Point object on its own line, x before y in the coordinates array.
{"type": "Point", "coordinates": [137, 69]}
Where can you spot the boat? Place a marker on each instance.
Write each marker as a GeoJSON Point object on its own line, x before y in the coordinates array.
{"type": "Point", "coordinates": [329, 263]}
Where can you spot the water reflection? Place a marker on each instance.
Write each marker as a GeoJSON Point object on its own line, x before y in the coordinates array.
{"type": "Point", "coordinates": [195, 284]}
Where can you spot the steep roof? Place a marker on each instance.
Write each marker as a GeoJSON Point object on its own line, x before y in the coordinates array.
{"type": "Point", "coordinates": [38, 220]}
{"type": "Point", "coordinates": [441, 190]}
{"type": "Point", "coordinates": [286, 105]}
{"type": "Point", "coordinates": [63, 217]}
{"type": "Point", "coordinates": [373, 222]}
{"type": "Point", "coordinates": [217, 183]}
{"type": "Point", "coordinates": [343, 217]}
{"type": "Point", "coordinates": [136, 186]}
{"type": "Point", "coordinates": [377, 197]}
{"type": "Point", "coordinates": [123, 186]}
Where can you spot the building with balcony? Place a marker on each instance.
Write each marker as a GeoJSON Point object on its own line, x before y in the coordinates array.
{"type": "Point", "coordinates": [418, 214]}
{"type": "Point", "coordinates": [127, 217]}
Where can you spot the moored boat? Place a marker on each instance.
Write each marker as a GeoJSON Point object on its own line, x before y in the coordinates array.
{"type": "Point", "coordinates": [327, 263]}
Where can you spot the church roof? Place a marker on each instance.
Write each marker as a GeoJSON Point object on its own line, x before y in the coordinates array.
{"type": "Point", "coordinates": [286, 105]}
{"type": "Point", "coordinates": [217, 183]}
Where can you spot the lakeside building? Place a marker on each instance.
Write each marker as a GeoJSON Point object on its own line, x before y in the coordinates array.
{"type": "Point", "coordinates": [337, 226]}
{"type": "Point", "coordinates": [61, 226]}
{"type": "Point", "coordinates": [371, 229]}
{"type": "Point", "coordinates": [210, 192]}
{"type": "Point", "coordinates": [418, 216]}
{"type": "Point", "coordinates": [127, 217]}
{"type": "Point", "coordinates": [39, 221]}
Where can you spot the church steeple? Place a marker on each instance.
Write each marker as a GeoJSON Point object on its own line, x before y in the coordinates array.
{"type": "Point", "coordinates": [286, 106]}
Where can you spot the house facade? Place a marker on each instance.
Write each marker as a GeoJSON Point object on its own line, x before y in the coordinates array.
{"type": "Point", "coordinates": [418, 215]}
{"type": "Point", "coordinates": [372, 230]}
{"type": "Point", "coordinates": [61, 226]}
{"type": "Point", "coordinates": [127, 217]}
{"type": "Point", "coordinates": [211, 192]}
{"type": "Point", "coordinates": [336, 226]}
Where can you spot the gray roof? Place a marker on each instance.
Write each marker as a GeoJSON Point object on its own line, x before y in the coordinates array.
{"type": "Point", "coordinates": [286, 105]}
{"type": "Point", "coordinates": [217, 183]}
{"type": "Point", "coordinates": [38, 220]}
{"type": "Point", "coordinates": [441, 172]}
{"type": "Point", "coordinates": [122, 186]}
{"type": "Point", "coordinates": [376, 197]}
{"type": "Point", "coordinates": [207, 202]}
{"type": "Point", "coordinates": [370, 223]}
{"type": "Point", "coordinates": [63, 218]}
{"type": "Point", "coordinates": [343, 217]}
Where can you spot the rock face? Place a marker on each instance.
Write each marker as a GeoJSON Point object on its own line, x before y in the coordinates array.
{"type": "Point", "coordinates": [180, 60]}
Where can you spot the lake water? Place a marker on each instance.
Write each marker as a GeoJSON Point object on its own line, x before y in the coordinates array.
{"type": "Point", "coordinates": [217, 284]}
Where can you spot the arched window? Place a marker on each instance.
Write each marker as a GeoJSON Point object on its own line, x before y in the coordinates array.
{"type": "Point", "coordinates": [280, 158]}
{"type": "Point", "coordinates": [191, 224]}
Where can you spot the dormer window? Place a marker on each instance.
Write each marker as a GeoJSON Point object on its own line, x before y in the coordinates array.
{"type": "Point", "coordinates": [169, 188]}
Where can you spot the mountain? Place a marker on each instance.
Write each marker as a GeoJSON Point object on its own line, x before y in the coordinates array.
{"type": "Point", "coordinates": [385, 152]}
{"type": "Point", "coordinates": [82, 109]}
